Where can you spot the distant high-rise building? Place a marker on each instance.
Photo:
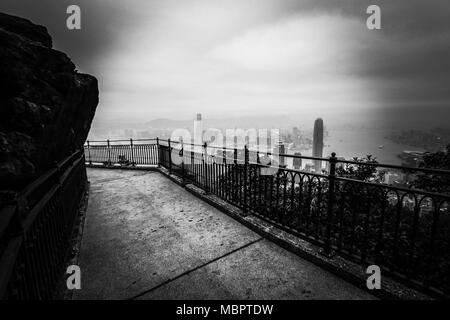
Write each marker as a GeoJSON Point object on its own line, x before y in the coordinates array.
{"type": "Point", "coordinates": [297, 162]}
{"type": "Point", "coordinates": [318, 144]}
{"type": "Point", "coordinates": [279, 150]}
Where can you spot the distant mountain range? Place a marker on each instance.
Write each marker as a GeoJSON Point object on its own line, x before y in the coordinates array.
{"type": "Point", "coordinates": [241, 122]}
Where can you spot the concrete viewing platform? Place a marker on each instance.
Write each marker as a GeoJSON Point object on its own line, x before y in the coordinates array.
{"type": "Point", "coordinates": [146, 237]}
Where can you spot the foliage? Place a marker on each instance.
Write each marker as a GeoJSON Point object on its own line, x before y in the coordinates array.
{"type": "Point", "coordinates": [361, 171]}
{"type": "Point", "coordinates": [435, 182]}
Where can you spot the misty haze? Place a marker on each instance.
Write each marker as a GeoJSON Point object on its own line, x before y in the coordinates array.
{"type": "Point", "coordinates": [266, 64]}
{"type": "Point", "coordinates": [224, 149]}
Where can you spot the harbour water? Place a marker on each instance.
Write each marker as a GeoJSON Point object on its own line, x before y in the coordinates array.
{"type": "Point", "coordinates": [349, 143]}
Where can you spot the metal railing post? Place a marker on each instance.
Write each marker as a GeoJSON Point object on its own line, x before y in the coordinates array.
{"type": "Point", "coordinates": [158, 152]}
{"type": "Point", "coordinates": [182, 161]}
{"type": "Point", "coordinates": [235, 175]}
{"type": "Point", "coordinates": [131, 150]}
{"type": "Point", "coordinates": [245, 178]}
{"type": "Point", "coordinates": [224, 185]}
{"type": "Point", "coordinates": [331, 196]}
{"type": "Point", "coordinates": [109, 153]}
{"type": "Point", "coordinates": [205, 167]}
{"type": "Point", "coordinates": [89, 152]}
{"type": "Point", "coordinates": [170, 156]}
{"type": "Point", "coordinates": [193, 168]}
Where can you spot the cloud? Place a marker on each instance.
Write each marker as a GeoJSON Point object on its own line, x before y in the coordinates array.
{"type": "Point", "coordinates": [306, 43]}
{"type": "Point", "coordinates": [175, 58]}
{"type": "Point", "coordinates": [103, 22]}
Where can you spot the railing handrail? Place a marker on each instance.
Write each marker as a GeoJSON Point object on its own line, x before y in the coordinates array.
{"type": "Point", "coordinates": [121, 140]}
{"type": "Point", "coordinates": [49, 173]}
{"type": "Point", "coordinates": [18, 222]}
{"type": "Point", "coordinates": [35, 184]}
{"type": "Point", "coordinates": [293, 156]}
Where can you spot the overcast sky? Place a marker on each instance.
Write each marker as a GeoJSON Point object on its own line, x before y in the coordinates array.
{"type": "Point", "coordinates": [173, 58]}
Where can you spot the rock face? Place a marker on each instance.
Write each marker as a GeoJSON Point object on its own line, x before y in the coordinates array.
{"type": "Point", "coordinates": [46, 106]}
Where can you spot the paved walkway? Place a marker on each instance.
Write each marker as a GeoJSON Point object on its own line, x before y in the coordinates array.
{"type": "Point", "coordinates": [147, 238]}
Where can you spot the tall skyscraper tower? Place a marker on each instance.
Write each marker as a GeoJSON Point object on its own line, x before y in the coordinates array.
{"type": "Point", "coordinates": [318, 144]}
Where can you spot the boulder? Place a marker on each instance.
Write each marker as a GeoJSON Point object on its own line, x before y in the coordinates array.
{"type": "Point", "coordinates": [46, 106]}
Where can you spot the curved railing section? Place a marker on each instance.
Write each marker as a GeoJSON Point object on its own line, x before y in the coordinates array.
{"type": "Point", "coordinates": [406, 231]}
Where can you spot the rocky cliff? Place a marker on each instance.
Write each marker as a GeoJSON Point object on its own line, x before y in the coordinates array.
{"type": "Point", "coordinates": [46, 106]}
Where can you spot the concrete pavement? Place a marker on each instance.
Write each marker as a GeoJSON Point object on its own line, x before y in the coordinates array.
{"type": "Point", "coordinates": [147, 238]}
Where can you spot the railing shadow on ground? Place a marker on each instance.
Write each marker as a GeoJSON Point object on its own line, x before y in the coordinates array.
{"type": "Point", "coordinates": [36, 228]}
{"type": "Point", "coordinates": [403, 230]}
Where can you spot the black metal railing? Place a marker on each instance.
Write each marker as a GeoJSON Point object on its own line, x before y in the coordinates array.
{"type": "Point", "coordinates": [123, 152]}
{"type": "Point", "coordinates": [406, 231]}
{"type": "Point", "coordinates": [35, 231]}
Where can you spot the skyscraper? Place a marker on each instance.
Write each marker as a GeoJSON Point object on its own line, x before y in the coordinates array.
{"type": "Point", "coordinates": [318, 144]}
{"type": "Point", "coordinates": [281, 152]}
